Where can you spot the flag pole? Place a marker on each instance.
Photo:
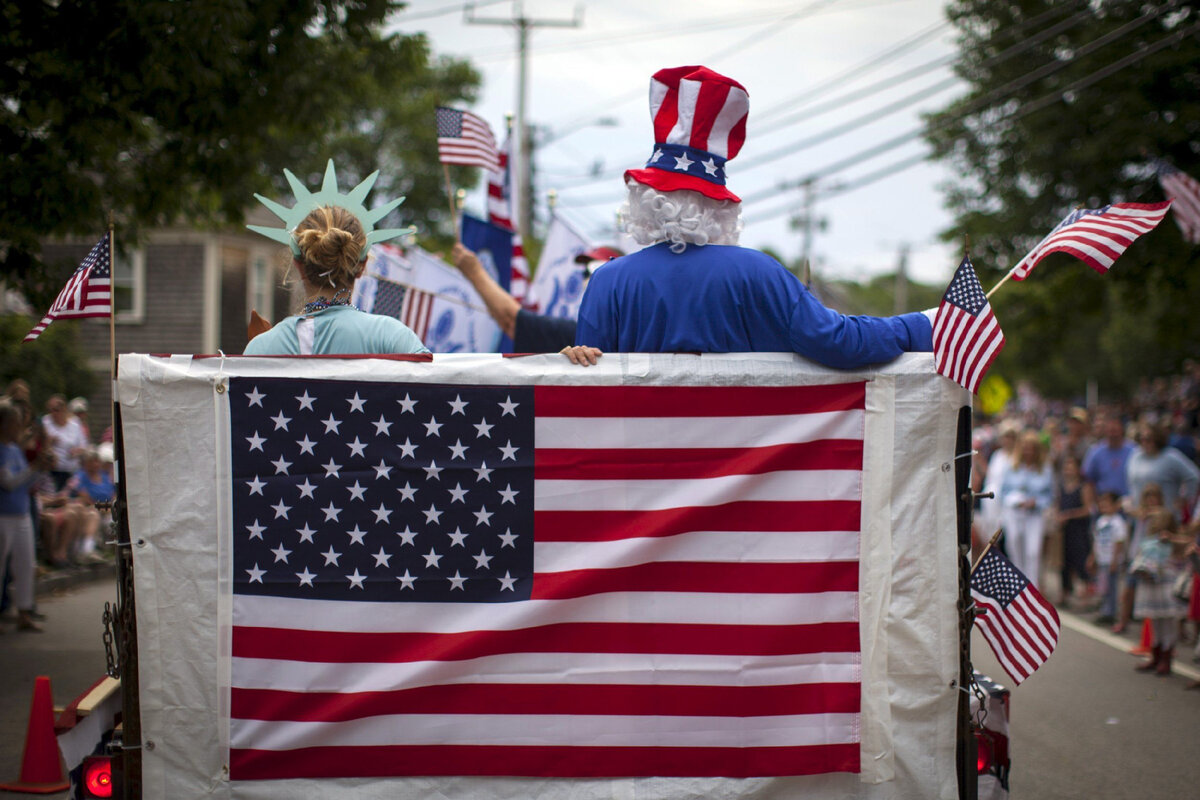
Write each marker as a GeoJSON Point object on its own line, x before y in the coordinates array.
{"type": "Point", "coordinates": [112, 310]}
{"type": "Point", "coordinates": [992, 291]}
{"type": "Point", "coordinates": [450, 198]}
{"type": "Point", "coordinates": [995, 538]}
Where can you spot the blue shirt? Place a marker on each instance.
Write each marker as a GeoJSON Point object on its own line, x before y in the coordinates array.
{"type": "Point", "coordinates": [1021, 483]}
{"type": "Point", "coordinates": [536, 333]}
{"type": "Point", "coordinates": [15, 478]}
{"type": "Point", "coordinates": [339, 330]}
{"type": "Point", "coordinates": [1104, 468]}
{"type": "Point", "coordinates": [723, 299]}
{"type": "Point", "coordinates": [99, 490]}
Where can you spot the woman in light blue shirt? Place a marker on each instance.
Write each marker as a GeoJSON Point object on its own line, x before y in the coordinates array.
{"type": "Point", "coordinates": [1026, 491]}
{"type": "Point", "coordinates": [333, 254]}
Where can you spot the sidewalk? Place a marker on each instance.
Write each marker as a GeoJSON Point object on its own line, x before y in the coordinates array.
{"type": "Point", "coordinates": [58, 579]}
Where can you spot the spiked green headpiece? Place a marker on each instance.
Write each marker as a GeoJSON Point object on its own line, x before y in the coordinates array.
{"type": "Point", "coordinates": [306, 202]}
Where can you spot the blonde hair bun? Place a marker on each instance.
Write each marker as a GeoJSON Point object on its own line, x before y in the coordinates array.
{"type": "Point", "coordinates": [332, 243]}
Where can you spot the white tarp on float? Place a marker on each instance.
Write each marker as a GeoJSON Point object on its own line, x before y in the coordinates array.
{"type": "Point", "coordinates": [180, 418]}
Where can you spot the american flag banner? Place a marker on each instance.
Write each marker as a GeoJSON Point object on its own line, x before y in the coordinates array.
{"type": "Point", "coordinates": [475, 576]}
{"type": "Point", "coordinates": [966, 336]}
{"type": "Point", "coordinates": [1184, 190]}
{"type": "Point", "coordinates": [88, 293]}
{"type": "Point", "coordinates": [465, 139]}
{"type": "Point", "coordinates": [410, 305]}
{"type": "Point", "coordinates": [500, 212]}
{"type": "Point", "coordinates": [544, 581]}
{"type": "Point", "coordinates": [1020, 625]}
{"type": "Point", "coordinates": [1096, 236]}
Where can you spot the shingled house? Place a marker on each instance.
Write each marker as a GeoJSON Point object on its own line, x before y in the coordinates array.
{"type": "Point", "coordinates": [179, 291]}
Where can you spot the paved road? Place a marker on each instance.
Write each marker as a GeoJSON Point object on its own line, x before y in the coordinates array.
{"type": "Point", "coordinates": [70, 652]}
{"type": "Point", "coordinates": [1085, 726]}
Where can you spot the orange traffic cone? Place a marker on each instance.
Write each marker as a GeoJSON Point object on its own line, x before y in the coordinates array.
{"type": "Point", "coordinates": [1147, 642]}
{"type": "Point", "coordinates": [41, 766]}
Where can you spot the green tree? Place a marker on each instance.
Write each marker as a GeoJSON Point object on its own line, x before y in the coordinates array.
{"type": "Point", "coordinates": [54, 363]}
{"type": "Point", "coordinates": [161, 112]}
{"type": "Point", "coordinates": [1066, 103]}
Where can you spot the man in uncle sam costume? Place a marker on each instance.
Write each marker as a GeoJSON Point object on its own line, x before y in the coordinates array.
{"type": "Point", "coordinates": [693, 289]}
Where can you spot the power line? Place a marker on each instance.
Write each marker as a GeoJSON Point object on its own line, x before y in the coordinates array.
{"type": "Point", "coordinates": [872, 116]}
{"type": "Point", "coordinates": [987, 100]}
{"type": "Point", "coordinates": [642, 33]}
{"type": "Point", "coordinates": [1016, 49]}
{"type": "Point", "coordinates": [1023, 111]}
{"type": "Point", "coordinates": [858, 70]}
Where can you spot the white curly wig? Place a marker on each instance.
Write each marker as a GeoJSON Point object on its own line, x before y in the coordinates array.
{"type": "Point", "coordinates": [681, 217]}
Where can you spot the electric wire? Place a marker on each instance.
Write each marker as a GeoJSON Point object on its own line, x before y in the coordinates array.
{"type": "Point", "coordinates": [870, 117]}
{"type": "Point", "coordinates": [1021, 46]}
{"type": "Point", "coordinates": [987, 100]}
{"type": "Point", "coordinates": [1024, 110]}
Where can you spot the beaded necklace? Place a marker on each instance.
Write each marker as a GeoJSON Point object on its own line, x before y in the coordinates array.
{"type": "Point", "coordinates": [322, 302]}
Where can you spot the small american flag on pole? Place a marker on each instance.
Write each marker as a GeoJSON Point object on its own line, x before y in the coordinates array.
{"type": "Point", "coordinates": [412, 306]}
{"type": "Point", "coordinates": [1020, 625]}
{"type": "Point", "coordinates": [1096, 236]}
{"type": "Point", "coordinates": [500, 212]}
{"type": "Point", "coordinates": [966, 335]}
{"type": "Point", "coordinates": [1185, 191]}
{"type": "Point", "coordinates": [87, 294]}
{"type": "Point", "coordinates": [465, 139]}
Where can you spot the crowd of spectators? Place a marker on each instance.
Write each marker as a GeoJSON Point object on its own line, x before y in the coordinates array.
{"type": "Point", "coordinates": [55, 483]}
{"type": "Point", "coordinates": [1100, 506]}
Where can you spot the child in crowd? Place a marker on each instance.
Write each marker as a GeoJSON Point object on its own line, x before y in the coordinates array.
{"type": "Point", "coordinates": [90, 485]}
{"type": "Point", "coordinates": [1161, 558]}
{"type": "Point", "coordinates": [1074, 503]}
{"type": "Point", "coordinates": [1149, 503]}
{"type": "Point", "coordinates": [1110, 535]}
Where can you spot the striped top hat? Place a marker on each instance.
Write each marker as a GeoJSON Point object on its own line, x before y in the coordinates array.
{"type": "Point", "coordinates": [699, 124]}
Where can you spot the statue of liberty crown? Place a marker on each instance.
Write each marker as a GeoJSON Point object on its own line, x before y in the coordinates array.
{"type": "Point", "coordinates": [307, 201]}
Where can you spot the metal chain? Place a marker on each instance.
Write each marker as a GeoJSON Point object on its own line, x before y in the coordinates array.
{"type": "Point", "coordinates": [966, 615]}
{"type": "Point", "coordinates": [111, 669]}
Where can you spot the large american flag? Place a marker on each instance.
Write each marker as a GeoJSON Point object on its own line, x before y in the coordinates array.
{"type": "Point", "coordinates": [1096, 236]}
{"type": "Point", "coordinates": [966, 336]}
{"type": "Point", "coordinates": [544, 581]}
{"type": "Point", "coordinates": [410, 305]}
{"type": "Point", "coordinates": [500, 212]}
{"type": "Point", "coordinates": [87, 294]}
{"type": "Point", "coordinates": [1020, 625]}
{"type": "Point", "coordinates": [465, 139]}
{"type": "Point", "coordinates": [1185, 191]}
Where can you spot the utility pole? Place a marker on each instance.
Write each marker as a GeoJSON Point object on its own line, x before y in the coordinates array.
{"type": "Point", "coordinates": [900, 296]}
{"type": "Point", "coordinates": [807, 222]}
{"type": "Point", "coordinates": [523, 24]}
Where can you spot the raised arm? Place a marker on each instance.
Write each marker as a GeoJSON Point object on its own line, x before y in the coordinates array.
{"type": "Point", "coordinates": [500, 304]}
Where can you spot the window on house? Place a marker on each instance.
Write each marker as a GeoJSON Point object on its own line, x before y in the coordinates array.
{"type": "Point", "coordinates": [260, 287]}
{"type": "Point", "coordinates": [129, 286]}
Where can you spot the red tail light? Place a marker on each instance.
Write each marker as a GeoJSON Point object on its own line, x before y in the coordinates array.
{"type": "Point", "coordinates": [984, 759]}
{"type": "Point", "coordinates": [97, 776]}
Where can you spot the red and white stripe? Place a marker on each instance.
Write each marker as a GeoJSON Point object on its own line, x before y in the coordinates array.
{"type": "Point", "coordinates": [1185, 191]}
{"type": "Point", "coordinates": [417, 311]}
{"type": "Point", "coordinates": [1098, 240]}
{"type": "Point", "coordinates": [85, 294]}
{"type": "Point", "coordinates": [703, 110]}
{"type": "Point", "coordinates": [965, 345]}
{"type": "Point", "coordinates": [500, 212]}
{"type": "Point", "coordinates": [475, 148]}
{"type": "Point", "coordinates": [694, 612]}
{"type": "Point", "coordinates": [1022, 636]}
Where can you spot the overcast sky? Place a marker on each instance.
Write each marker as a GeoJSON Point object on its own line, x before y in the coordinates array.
{"type": "Point", "coordinates": [801, 62]}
